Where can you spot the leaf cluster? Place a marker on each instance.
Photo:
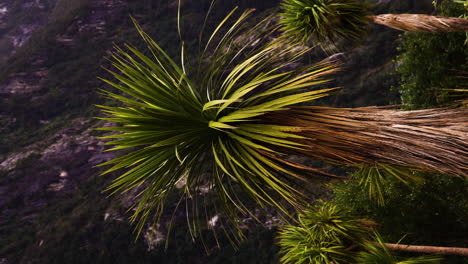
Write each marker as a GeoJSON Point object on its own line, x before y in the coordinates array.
{"type": "Point", "coordinates": [325, 22]}
{"type": "Point", "coordinates": [193, 128]}
{"type": "Point", "coordinates": [433, 212]}
{"type": "Point", "coordinates": [325, 234]}
{"type": "Point", "coordinates": [330, 234]}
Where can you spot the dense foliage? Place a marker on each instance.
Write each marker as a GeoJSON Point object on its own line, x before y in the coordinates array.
{"type": "Point", "coordinates": [430, 213]}
{"type": "Point", "coordinates": [432, 63]}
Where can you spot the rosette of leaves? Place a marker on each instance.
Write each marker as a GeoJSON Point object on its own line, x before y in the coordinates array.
{"type": "Point", "coordinates": [324, 234]}
{"type": "Point", "coordinates": [327, 233]}
{"type": "Point", "coordinates": [325, 22]}
{"type": "Point", "coordinates": [196, 128]}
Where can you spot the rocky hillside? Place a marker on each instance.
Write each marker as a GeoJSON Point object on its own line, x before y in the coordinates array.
{"type": "Point", "coordinates": [51, 206]}
{"type": "Point", "coordinates": [18, 21]}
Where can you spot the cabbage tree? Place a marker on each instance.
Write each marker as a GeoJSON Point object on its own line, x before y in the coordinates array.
{"type": "Point", "coordinates": [228, 119]}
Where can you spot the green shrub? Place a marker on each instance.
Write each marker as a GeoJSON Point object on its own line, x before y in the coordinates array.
{"type": "Point", "coordinates": [430, 62]}
{"type": "Point", "coordinates": [433, 213]}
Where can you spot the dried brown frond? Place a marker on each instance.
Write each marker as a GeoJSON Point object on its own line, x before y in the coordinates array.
{"type": "Point", "coordinates": [431, 139]}
{"type": "Point", "coordinates": [422, 23]}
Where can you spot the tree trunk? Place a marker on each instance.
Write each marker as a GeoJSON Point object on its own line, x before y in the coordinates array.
{"type": "Point", "coordinates": [431, 139]}
{"type": "Point", "coordinates": [421, 23]}
{"type": "Point", "coordinates": [428, 249]}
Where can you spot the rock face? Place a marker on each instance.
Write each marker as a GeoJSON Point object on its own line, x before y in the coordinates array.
{"type": "Point", "coordinates": [23, 83]}
{"type": "Point", "coordinates": [19, 20]}
{"type": "Point", "coordinates": [16, 28]}
{"type": "Point", "coordinates": [47, 171]}
{"type": "Point", "coordinates": [14, 37]}
{"type": "Point", "coordinates": [50, 168]}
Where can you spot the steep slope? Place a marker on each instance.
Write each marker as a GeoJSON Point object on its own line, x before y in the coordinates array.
{"type": "Point", "coordinates": [19, 19]}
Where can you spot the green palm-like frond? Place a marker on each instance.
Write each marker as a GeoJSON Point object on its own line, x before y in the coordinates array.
{"type": "Point", "coordinates": [326, 22]}
{"type": "Point", "coordinates": [374, 178]}
{"type": "Point", "coordinates": [325, 234]}
{"type": "Point", "coordinates": [199, 124]}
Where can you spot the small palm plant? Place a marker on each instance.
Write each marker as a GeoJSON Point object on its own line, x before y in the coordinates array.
{"type": "Point", "coordinates": [199, 124]}
{"type": "Point", "coordinates": [328, 234]}
{"type": "Point", "coordinates": [325, 234]}
{"type": "Point", "coordinates": [328, 22]}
